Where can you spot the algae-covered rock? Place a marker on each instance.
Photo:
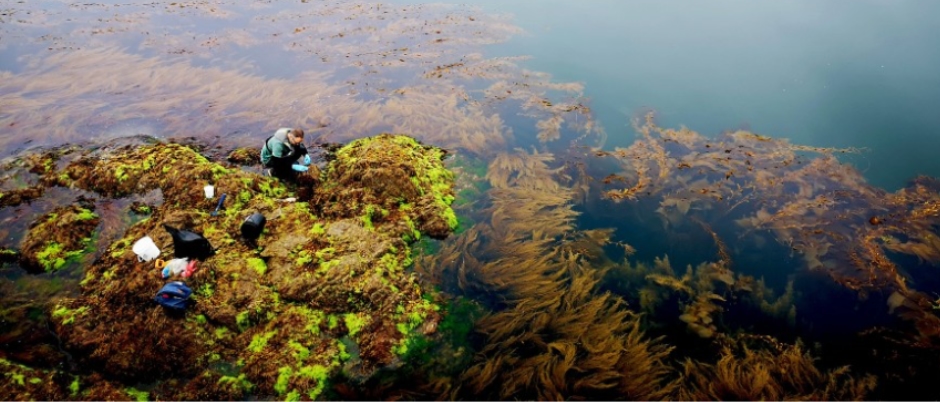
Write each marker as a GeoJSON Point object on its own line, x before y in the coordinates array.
{"type": "Point", "coordinates": [384, 177]}
{"type": "Point", "coordinates": [19, 383]}
{"type": "Point", "coordinates": [325, 288]}
{"type": "Point", "coordinates": [245, 156]}
{"type": "Point", "coordinates": [19, 196]}
{"type": "Point", "coordinates": [57, 237]}
{"type": "Point", "coordinates": [22, 383]}
{"type": "Point", "coordinates": [24, 335]}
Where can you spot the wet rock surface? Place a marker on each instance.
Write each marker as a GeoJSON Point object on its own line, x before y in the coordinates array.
{"type": "Point", "coordinates": [325, 286]}
{"type": "Point", "coordinates": [58, 237]}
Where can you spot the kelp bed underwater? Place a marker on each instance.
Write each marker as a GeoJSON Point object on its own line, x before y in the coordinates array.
{"type": "Point", "coordinates": [565, 324]}
{"type": "Point", "coordinates": [523, 301]}
{"type": "Point", "coordinates": [564, 320]}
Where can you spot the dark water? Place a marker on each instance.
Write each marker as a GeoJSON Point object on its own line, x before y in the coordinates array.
{"type": "Point", "coordinates": [824, 74]}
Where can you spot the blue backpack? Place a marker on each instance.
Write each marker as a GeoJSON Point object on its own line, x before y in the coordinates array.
{"type": "Point", "coordinates": [174, 296]}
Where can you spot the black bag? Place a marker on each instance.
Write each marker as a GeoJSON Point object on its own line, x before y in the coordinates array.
{"type": "Point", "coordinates": [187, 244]}
{"type": "Point", "coordinates": [253, 225]}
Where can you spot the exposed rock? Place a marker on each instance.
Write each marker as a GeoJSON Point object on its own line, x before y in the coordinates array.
{"type": "Point", "coordinates": [325, 284]}
{"type": "Point", "coordinates": [58, 237]}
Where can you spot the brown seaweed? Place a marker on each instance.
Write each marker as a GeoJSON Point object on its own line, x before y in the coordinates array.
{"type": "Point", "coordinates": [551, 335]}
{"type": "Point", "coordinates": [771, 371]}
{"type": "Point", "coordinates": [820, 208]}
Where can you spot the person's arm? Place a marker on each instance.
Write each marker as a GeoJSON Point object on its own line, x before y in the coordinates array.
{"type": "Point", "coordinates": [300, 152]}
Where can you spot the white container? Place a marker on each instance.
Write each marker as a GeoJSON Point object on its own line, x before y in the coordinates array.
{"type": "Point", "coordinates": [146, 249]}
{"type": "Point", "coordinates": [210, 190]}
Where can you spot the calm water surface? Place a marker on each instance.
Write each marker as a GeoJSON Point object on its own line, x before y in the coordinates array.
{"type": "Point", "coordinates": [816, 72]}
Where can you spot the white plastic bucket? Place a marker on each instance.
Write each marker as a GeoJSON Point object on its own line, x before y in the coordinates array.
{"type": "Point", "coordinates": [210, 190]}
{"type": "Point", "coordinates": [146, 249]}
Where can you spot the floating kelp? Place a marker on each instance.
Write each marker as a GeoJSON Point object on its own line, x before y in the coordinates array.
{"type": "Point", "coordinates": [702, 297]}
{"type": "Point", "coordinates": [818, 207]}
{"type": "Point", "coordinates": [352, 83]}
{"type": "Point", "coordinates": [531, 271]}
{"type": "Point", "coordinates": [308, 282]}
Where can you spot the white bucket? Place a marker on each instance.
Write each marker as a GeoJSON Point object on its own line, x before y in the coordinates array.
{"type": "Point", "coordinates": [146, 249]}
{"type": "Point", "coordinates": [210, 190]}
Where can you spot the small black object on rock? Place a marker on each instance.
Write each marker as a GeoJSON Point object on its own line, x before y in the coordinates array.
{"type": "Point", "coordinates": [253, 225]}
{"type": "Point", "coordinates": [188, 244]}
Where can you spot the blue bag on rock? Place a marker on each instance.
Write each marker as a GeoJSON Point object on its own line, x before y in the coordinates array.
{"type": "Point", "coordinates": [174, 295]}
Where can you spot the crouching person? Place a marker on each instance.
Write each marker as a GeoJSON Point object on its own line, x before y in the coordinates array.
{"type": "Point", "coordinates": [284, 155]}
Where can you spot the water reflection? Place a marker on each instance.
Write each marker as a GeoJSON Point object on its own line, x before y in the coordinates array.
{"type": "Point", "coordinates": [363, 67]}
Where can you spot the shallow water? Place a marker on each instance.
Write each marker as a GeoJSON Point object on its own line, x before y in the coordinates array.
{"type": "Point", "coordinates": [488, 79]}
{"type": "Point", "coordinates": [815, 72]}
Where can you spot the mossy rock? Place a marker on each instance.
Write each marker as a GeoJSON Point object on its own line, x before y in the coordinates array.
{"type": "Point", "coordinates": [24, 335]}
{"type": "Point", "coordinates": [58, 237]}
{"type": "Point", "coordinates": [16, 197]}
{"type": "Point", "coordinates": [177, 170]}
{"type": "Point", "coordinates": [380, 178]}
{"type": "Point", "coordinates": [245, 156]}
{"type": "Point", "coordinates": [267, 317]}
{"type": "Point", "coordinates": [20, 383]}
